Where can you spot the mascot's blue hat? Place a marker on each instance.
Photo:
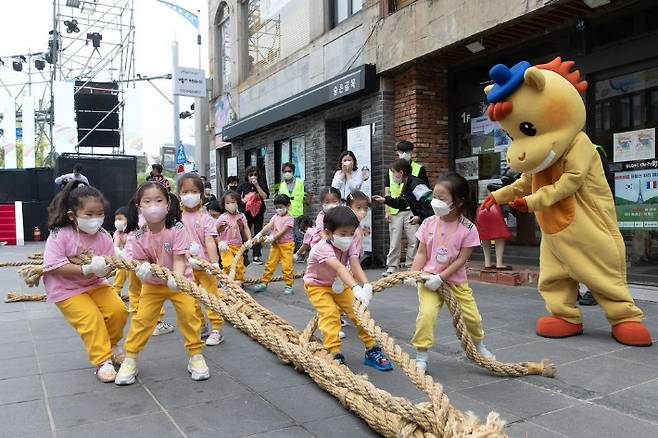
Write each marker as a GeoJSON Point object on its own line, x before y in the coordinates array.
{"type": "Point", "coordinates": [506, 80]}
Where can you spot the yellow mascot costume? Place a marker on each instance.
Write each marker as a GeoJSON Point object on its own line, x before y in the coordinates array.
{"type": "Point", "coordinates": [563, 183]}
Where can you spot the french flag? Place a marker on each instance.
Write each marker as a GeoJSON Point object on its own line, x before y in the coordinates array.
{"type": "Point", "coordinates": [653, 184]}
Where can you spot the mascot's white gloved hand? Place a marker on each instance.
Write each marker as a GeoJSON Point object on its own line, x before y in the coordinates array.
{"type": "Point", "coordinates": [222, 247]}
{"type": "Point", "coordinates": [434, 282]}
{"type": "Point", "coordinates": [98, 267]}
{"type": "Point", "coordinates": [118, 252]}
{"type": "Point", "coordinates": [363, 293]}
{"type": "Point", "coordinates": [171, 283]}
{"type": "Point", "coordinates": [194, 264]}
{"type": "Point", "coordinates": [144, 273]}
{"type": "Point", "coordinates": [411, 282]}
{"type": "Point", "coordinates": [249, 244]}
{"type": "Point", "coordinates": [269, 239]}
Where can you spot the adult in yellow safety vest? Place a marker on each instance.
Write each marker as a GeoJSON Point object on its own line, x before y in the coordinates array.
{"type": "Point", "coordinates": [399, 220]}
{"type": "Point", "coordinates": [294, 189]}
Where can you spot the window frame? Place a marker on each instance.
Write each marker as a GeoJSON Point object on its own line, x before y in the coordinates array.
{"type": "Point", "coordinates": [277, 157]}
{"type": "Point", "coordinates": [220, 22]}
{"type": "Point", "coordinates": [350, 12]}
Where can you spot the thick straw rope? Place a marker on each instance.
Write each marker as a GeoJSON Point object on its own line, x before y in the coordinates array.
{"type": "Point", "coordinates": [15, 297]}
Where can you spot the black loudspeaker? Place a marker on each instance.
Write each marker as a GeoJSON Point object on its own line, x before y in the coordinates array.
{"type": "Point", "coordinates": [97, 114]}
{"type": "Point", "coordinates": [115, 176]}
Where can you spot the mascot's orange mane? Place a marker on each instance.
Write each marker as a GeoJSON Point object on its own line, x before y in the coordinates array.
{"type": "Point", "coordinates": [500, 110]}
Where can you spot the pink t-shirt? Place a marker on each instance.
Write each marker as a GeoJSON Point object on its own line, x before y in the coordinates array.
{"type": "Point", "coordinates": [128, 249]}
{"type": "Point", "coordinates": [231, 232]}
{"type": "Point", "coordinates": [279, 223]}
{"type": "Point", "coordinates": [444, 241]}
{"type": "Point", "coordinates": [319, 273]}
{"type": "Point", "coordinates": [198, 225]}
{"type": "Point", "coordinates": [66, 242]}
{"type": "Point", "coordinates": [120, 238]}
{"type": "Point", "coordinates": [160, 248]}
{"type": "Point", "coordinates": [319, 221]}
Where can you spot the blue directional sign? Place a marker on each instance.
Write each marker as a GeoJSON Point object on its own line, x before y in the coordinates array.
{"type": "Point", "coordinates": [180, 154]}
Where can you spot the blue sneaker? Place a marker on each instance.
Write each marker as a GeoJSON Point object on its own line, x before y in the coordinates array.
{"type": "Point", "coordinates": [376, 358]}
{"type": "Point", "coordinates": [260, 287]}
{"type": "Point", "coordinates": [288, 290]}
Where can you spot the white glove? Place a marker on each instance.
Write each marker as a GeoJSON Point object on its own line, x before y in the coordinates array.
{"type": "Point", "coordinates": [363, 294]}
{"type": "Point", "coordinates": [216, 265]}
{"type": "Point", "coordinates": [194, 264]}
{"type": "Point", "coordinates": [295, 256]}
{"type": "Point", "coordinates": [434, 282]}
{"type": "Point", "coordinates": [258, 235]}
{"type": "Point", "coordinates": [249, 244]}
{"type": "Point", "coordinates": [118, 252]}
{"type": "Point", "coordinates": [171, 283]}
{"type": "Point", "coordinates": [222, 247]}
{"type": "Point", "coordinates": [269, 239]}
{"type": "Point", "coordinates": [98, 267]}
{"type": "Point", "coordinates": [411, 282]}
{"type": "Point", "coordinates": [144, 273]}
{"type": "Point", "coordinates": [195, 249]}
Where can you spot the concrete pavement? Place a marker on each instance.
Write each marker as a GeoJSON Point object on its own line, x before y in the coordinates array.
{"type": "Point", "coordinates": [47, 388]}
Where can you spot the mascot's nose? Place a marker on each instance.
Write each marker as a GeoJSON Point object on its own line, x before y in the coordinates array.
{"type": "Point", "coordinates": [521, 157]}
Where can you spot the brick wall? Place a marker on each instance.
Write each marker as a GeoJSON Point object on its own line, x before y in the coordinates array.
{"type": "Point", "coordinates": [421, 114]}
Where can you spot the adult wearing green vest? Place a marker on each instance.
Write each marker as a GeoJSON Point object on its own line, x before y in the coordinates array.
{"type": "Point", "coordinates": [399, 221]}
{"type": "Point", "coordinates": [294, 189]}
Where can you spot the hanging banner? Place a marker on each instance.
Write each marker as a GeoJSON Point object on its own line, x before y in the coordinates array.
{"type": "Point", "coordinates": [28, 126]}
{"type": "Point", "coordinates": [65, 133]}
{"type": "Point", "coordinates": [359, 142]}
{"type": "Point", "coordinates": [636, 199]}
{"type": "Point", "coordinates": [8, 127]}
{"type": "Point", "coordinates": [212, 170]}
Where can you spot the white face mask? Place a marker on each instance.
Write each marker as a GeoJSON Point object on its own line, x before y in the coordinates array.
{"type": "Point", "coordinates": [231, 207]}
{"type": "Point", "coordinates": [327, 207]}
{"type": "Point", "coordinates": [281, 211]}
{"type": "Point", "coordinates": [120, 225]}
{"type": "Point", "coordinates": [90, 226]}
{"type": "Point", "coordinates": [360, 214]}
{"type": "Point", "coordinates": [191, 200]}
{"type": "Point", "coordinates": [253, 178]}
{"type": "Point", "coordinates": [287, 176]}
{"type": "Point", "coordinates": [440, 208]}
{"type": "Point", "coordinates": [342, 242]}
{"type": "Point", "coordinates": [348, 163]}
{"type": "Point", "coordinates": [405, 155]}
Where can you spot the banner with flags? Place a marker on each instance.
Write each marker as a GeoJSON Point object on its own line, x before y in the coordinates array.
{"type": "Point", "coordinates": [636, 199]}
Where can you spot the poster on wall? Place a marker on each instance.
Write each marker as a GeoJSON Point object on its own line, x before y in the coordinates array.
{"type": "Point", "coordinates": [232, 166]}
{"type": "Point", "coordinates": [467, 167]}
{"type": "Point", "coordinates": [358, 141]}
{"type": "Point", "coordinates": [487, 136]}
{"type": "Point", "coordinates": [212, 170]}
{"type": "Point", "coordinates": [636, 199]}
{"type": "Point", "coordinates": [634, 145]}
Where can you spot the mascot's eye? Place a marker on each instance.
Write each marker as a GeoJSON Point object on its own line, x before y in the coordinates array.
{"type": "Point", "coordinates": [528, 129]}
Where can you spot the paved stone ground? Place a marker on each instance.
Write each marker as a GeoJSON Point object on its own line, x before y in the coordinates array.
{"type": "Point", "coordinates": [47, 388]}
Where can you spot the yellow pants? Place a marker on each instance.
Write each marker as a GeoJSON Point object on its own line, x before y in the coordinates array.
{"type": "Point", "coordinates": [282, 252]}
{"type": "Point", "coordinates": [143, 323]}
{"type": "Point", "coordinates": [329, 306]}
{"type": "Point", "coordinates": [430, 303]}
{"type": "Point", "coordinates": [209, 283]}
{"type": "Point", "coordinates": [227, 260]}
{"type": "Point", "coordinates": [98, 316]}
{"type": "Point", "coordinates": [134, 291]}
{"type": "Point", "coordinates": [119, 279]}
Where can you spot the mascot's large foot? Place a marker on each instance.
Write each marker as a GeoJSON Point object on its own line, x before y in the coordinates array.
{"type": "Point", "coordinates": [631, 333]}
{"type": "Point", "coordinates": [553, 327]}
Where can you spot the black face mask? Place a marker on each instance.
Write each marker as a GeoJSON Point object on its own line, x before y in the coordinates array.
{"type": "Point", "coordinates": [232, 187]}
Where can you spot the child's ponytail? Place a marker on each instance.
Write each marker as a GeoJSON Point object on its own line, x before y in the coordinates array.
{"type": "Point", "coordinates": [70, 199]}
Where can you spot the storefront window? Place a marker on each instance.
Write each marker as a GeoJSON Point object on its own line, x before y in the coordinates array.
{"type": "Point", "coordinates": [626, 118]}
{"type": "Point", "coordinates": [257, 157]}
{"type": "Point", "coordinates": [291, 150]}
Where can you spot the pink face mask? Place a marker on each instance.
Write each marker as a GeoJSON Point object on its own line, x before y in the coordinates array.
{"type": "Point", "coordinates": [155, 214]}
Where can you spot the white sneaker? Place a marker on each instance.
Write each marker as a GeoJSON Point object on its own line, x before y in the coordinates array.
{"type": "Point", "coordinates": [198, 368]}
{"type": "Point", "coordinates": [127, 372]}
{"type": "Point", "coordinates": [482, 349]}
{"type": "Point", "coordinates": [162, 329]}
{"type": "Point", "coordinates": [105, 372]}
{"type": "Point", "coordinates": [421, 360]}
{"type": "Point", "coordinates": [389, 271]}
{"type": "Point", "coordinates": [216, 337]}
{"type": "Point", "coordinates": [204, 331]}
{"type": "Point", "coordinates": [341, 335]}
{"type": "Point", "coordinates": [343, 322]}
{"type": "Point", "coordinates": [118, 355]}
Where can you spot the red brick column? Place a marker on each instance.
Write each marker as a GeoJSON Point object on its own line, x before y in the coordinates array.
{"type": "Point", "coordinates": [421, 114]}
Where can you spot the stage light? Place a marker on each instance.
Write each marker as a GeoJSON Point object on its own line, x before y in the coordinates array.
{"type": "Point", "coordinates": [73, 3]}
{"type": "Point", "coordinates": [72, 26]}
{"type": "Point", "coordinates": [95, 39]}
{"type": "Point", "coordinates": [39, 63]}
{"type": "Point", "coordinates": [17, 63]}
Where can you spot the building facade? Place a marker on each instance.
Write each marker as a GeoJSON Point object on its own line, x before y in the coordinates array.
{"type": "Point", "coordinates": [430, 60]}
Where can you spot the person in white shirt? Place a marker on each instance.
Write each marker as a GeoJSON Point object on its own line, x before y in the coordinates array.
{"type": "Point", "coordinates": [348, 179]}
{"type": "Point", "coordinates": [77, 175]}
